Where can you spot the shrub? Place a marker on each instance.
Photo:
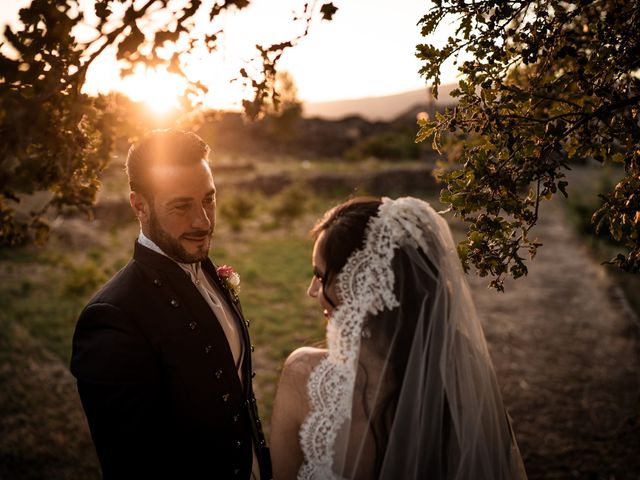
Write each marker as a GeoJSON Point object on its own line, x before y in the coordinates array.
{"type": "Point", "coordinates": [386, 146]}
{"type": "Point", "coordinates": [83, 279]}
{"type": "Point", "coordinates": [289, 204]}
{"type": "Point", "coordinates": [237, 209]}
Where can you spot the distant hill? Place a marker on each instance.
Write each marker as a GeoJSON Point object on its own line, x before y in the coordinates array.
{"type": "Point", "coordinates": [383, 109]}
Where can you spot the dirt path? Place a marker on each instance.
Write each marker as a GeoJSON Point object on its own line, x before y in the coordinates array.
{"type": "Point", "coordinates": [565, 350]}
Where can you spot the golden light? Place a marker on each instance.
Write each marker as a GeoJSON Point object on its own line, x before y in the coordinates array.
{"type": "Point", "coordinates": [161, 90]}
{"type": "Point", "coordinates": [158, 89]}
{"type": "Point", "coordinates": [219, 70]}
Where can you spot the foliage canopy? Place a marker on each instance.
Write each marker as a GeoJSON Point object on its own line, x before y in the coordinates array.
{"type": "Point", "coordinates": [545, 83]}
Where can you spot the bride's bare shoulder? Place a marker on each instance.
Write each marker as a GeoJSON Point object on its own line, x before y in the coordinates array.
{"type": "Point", "coordinates": [290, 408]}
{"type": "Point", "coordinates": [301, 361]}
{"type": "Point", "coordinates": [291, 396]}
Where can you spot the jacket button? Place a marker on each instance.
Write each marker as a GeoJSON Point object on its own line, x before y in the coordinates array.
{"type": "Point", "coordinates": [236, 418]}
{"type": "Point", "coordinates": [174, 303]}
{"type": "Point", "coordinates": [262, 443]}
{"type": "Point", "coordinates": [258, 422]}
{"type": "Point", "coordinates": [247, 323]}
{"type": "Point", "coordinates": [208, 349]}
{"type": "Point", "coordinates": [238, 443]}
{"type": "Point", "coordinates": [157, 282]}
{"type": "Point", "coordinates": [225, 397]}
{"type": "Point", "coordinates": [218, 373]}
{"type": "Point", "coordinates": [253, 349]}
{"type": "Point", "coordinates": [193, 325]}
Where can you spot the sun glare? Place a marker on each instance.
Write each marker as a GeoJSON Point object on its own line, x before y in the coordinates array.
{"type": "Point", "coordinates": [156, 88]}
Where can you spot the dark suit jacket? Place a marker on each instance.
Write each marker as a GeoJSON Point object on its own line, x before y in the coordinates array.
{"type": "Point", "coordinates": [157, 378]}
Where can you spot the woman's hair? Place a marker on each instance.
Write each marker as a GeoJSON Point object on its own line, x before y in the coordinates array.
{"type": "Point", "coordinates": [344, 228]}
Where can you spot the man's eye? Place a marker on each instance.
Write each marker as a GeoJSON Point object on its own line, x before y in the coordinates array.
{"type": "Point", "coordinates": [183, 207]}
{"type": "Point", "coordinates": [209, 201]}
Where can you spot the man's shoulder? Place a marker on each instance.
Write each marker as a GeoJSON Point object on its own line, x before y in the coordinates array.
{"type": "Point", "coordinates": [124, 284]}
{"type": "Point", "coordinates": [130, 286]}
{"type": "Point", "coordinates": [134, 290]}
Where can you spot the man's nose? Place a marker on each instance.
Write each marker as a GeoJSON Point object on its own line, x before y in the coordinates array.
{"type": "Point", "coordinates": [312, 291]}
{"type": "Point", "coordinates": [201, 219]}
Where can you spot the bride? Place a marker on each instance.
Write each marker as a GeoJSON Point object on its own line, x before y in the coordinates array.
{"type": "Point", "coordinates": [405, 388]}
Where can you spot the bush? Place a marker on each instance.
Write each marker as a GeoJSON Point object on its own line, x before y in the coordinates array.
{"type": "Point", "coordinates": [386, 146]}
{"type": "Point", "coordinates": [584, 199]}
{"type": "Point", "coordinates": [289, 205]}
{"type": "Point", "coordinates": [83, 279]}
{"type": "Point", "coordinates": [237, 209]}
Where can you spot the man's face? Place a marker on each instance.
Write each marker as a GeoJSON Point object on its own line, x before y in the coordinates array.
{"type": "Point", "coordinates": [182, 215]}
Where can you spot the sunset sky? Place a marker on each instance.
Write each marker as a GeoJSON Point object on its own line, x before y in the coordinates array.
{"type": "Point", "coordinates": [367, 50]}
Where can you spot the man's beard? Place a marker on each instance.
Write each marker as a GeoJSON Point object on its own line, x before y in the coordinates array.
{"type": "Point", "coordinates": [171, 246]}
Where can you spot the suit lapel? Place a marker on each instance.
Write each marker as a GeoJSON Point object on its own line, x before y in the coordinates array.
{"type": "Point", "coordinates": [260, 449]}
{"type": "Point", "coordinates": [210, 269]}
{"type": "Point", "coordinates": [189, 297]}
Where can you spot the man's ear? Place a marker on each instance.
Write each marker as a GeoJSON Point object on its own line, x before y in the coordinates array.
{"type": "Point", "coordinates": [140, 207]}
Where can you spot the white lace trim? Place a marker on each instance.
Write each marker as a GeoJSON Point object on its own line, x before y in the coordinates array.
{"type": "Point", "coordinates": [365, 286]}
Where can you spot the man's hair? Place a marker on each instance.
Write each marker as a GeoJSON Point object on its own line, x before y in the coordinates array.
{"type": "Point", "coordinates": [162, 147]}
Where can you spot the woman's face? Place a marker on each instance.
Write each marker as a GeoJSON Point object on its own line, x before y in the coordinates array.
{"type": "Point", "coordinates": [316, 289]}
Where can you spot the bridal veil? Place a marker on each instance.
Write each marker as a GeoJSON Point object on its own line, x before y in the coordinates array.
{"type": "Point", "coordinates": [407, 389]}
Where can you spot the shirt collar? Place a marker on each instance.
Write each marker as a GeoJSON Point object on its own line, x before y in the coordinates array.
{"type": "Point", "coordinates": [151, 245]}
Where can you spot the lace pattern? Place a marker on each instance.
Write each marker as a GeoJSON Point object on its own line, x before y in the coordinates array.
{"type": "Point", "coordinates": [365, 286]}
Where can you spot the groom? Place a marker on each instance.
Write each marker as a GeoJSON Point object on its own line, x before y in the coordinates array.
{"type": "Point", "coordinates": [162, 352]}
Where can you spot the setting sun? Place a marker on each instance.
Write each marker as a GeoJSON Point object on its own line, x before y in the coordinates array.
{"type": "Point", "coordinates": [156, 88]}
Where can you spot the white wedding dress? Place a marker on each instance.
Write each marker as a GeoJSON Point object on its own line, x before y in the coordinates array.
{"type": "Point", "coordinates": [407, 389]}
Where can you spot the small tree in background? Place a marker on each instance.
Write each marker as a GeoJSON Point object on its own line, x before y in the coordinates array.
{"type": "Point", "coordinates": [285, 110]}
{"type": "Point", "coordinates": [544, 83]}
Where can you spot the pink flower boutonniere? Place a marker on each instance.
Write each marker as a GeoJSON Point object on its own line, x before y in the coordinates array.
{"type": "Point", "coordinates": [230, 279]}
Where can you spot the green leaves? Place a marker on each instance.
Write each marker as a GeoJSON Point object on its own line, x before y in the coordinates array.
{"type": "Point", "coordinates": [130, 44]}
{"type": "Point", "coordinates": [49, 143]}
{"type": "Point", "coordinates": [227, 4]}
{"type": "Point", "coordinates": [102, 10]}
{"type": "Point", "coordinates": [539, 92]}
{"type": "Point", "coordinates": [328, 10]}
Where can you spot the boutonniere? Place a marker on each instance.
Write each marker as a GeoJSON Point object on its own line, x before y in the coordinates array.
{"type": "Point", "coordinates": [230, 279]}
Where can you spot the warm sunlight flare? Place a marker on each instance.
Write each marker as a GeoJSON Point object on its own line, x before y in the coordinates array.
{"type": "Point", "coordinates": [159, 90]}
{"type": "Point", "coordinates": [330, 64]}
